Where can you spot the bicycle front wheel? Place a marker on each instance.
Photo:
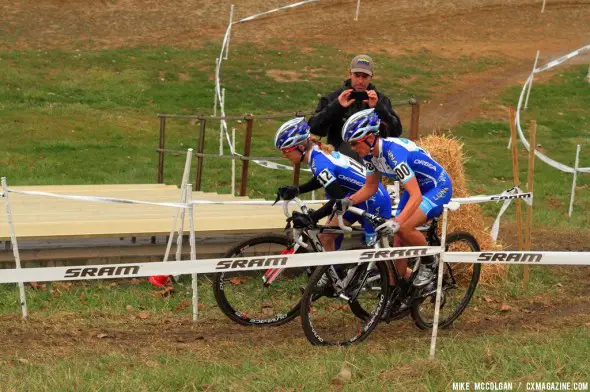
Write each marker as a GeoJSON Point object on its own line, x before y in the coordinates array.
{"type": "Point", "coordinates": [329, 319]}
{"type": "Point", "coordinates": [459, 283]}
{"type": "Point", "coordinates": [246, 299]}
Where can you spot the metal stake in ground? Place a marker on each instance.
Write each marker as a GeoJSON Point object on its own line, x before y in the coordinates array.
{"type": "Point", "coordinates": [21, 285]}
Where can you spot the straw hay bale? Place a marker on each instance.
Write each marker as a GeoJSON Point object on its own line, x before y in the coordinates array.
{"type": "Point", "coordinates": [449, 153]}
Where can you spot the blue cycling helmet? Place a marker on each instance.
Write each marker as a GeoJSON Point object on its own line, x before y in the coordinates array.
{"type": "Point", "coordinates": [359, 125]}
{"type": "Point", "coordinates": [292, 133]}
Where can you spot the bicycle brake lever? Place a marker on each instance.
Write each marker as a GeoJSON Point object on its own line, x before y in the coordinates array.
{"type": "Point", "coordinates": [277, 199]}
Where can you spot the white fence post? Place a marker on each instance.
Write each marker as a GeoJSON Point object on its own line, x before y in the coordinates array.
{"type": "Point", "coordinates": [192, 242]}
{"type": "Point", "coordinates": [185, 178]}
{"type": "Point", "coordinates": [576, 166]}
{"type": "Point", "coordinates": [179, 238]}
{"type": "Point", "coordinates": [215, 97]}
{"type": "Point", "coordinates": [233, 161]}
{"type": "Point", "coordinates": [231, 18]}
{"type": "Point", "coordinates": [221, 122]}
{"type": "Point", "coordinates": [443, 240]}
{"type": "Point", "coordinates": [21, 285]}
{"type": "Point", "coordinates": [526, 101]}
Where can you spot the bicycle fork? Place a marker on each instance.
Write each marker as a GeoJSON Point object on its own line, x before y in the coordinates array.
{"type": "Point", "coordinates": [273, 273]}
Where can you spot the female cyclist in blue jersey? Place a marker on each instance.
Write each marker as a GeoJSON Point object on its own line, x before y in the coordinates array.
{"type": "Point", "coordinates": [427, 186]}
{"type": "Point", "coordinates": [338, 174]}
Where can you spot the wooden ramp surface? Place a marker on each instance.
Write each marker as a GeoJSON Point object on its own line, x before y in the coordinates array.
{"type": "Point", "coordinates": [41, 217]}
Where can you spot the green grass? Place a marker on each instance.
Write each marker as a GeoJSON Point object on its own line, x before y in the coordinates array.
{"type": "Point", "coordinates": [528, 357]}
{"type": "Point", "coordinates": [73, 117]}
{"type": "Point", "coordinates": [560, 108]}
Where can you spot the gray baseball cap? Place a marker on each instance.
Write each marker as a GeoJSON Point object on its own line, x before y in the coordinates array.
{"type": "Point", "coordinates": [362, 63]}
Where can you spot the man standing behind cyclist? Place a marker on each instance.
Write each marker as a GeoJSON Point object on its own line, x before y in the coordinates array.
{"type": "Point", "coordinates": [336, 107]}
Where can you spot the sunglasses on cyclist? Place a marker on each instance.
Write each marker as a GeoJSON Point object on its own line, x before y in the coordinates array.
{"type": "Point", "coordinates": [357, 142]}
{"type": "Point", "coordinates": [286, 150]}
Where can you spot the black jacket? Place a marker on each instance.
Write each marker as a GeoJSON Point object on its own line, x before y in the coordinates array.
{"type": "Point", "coordinates": [330, 116]}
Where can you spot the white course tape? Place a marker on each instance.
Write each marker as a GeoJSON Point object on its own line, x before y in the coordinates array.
{"type": "Point", "coordinates": [98, 199]}
{"type": "Point", "coordinates": [278, 166]}
{"type": "Point", "coordinates": [551, 162]}
{"type": "Point", "coordinates": [255, 202]}
{"type": "Point", "coordinates": [510, 194]}
{"type": "Point", "coordinates": [220, 96]}
{"type": "Point", "coordinates": [562, 59]}
{"type": "Point", "coordinates": [113, 271]}
{"type": "Point", "coordinates": [499, 197]}
{"type": "Point", "coordinates": [275, 10]}
{"type": "Point", "coordinates": [530, 258]}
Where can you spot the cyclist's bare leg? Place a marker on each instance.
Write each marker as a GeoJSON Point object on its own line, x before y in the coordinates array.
{"type": "Point", "coordinates": [408, 233]}
{"type": "Point", "coordinates": [401, 264]}
{"type": "Point", "coordinates": [328, 240]}
{"type": "Point", "coordinates": [413, 237]}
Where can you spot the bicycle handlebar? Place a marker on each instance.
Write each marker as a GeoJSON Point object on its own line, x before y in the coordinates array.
{"type": "Point", "coordinates": [299, 202]}
{"type": "Point", "coordinates": [354, 210]}
{"type": "Point", "coordinates": [305, 210]}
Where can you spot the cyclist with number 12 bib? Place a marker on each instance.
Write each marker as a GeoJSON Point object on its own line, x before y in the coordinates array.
{"type": "Point", "coordinates": [338, 174]}
{"type": "Point", "coordinates": [427, 186]}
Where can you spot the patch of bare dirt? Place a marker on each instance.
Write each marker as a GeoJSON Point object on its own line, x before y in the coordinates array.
{"type": "Point", "coordinates": [284, 75]}
{"type": "Point", "coordinates": [547, 238]}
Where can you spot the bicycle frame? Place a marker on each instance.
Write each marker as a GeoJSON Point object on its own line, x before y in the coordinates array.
{"type": "Point", "coordinates": [313, 236]}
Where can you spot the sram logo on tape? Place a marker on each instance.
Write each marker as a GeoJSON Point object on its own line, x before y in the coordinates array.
{"type": "Point", "coordinates": [388, 254]}
{"type": "Point", "coordinates": [245, 263]}
{"type": "Point", "coordinates": [102, 271]}
{"type": "Point", "coordinates": [511, 256]}
{"type": "Point", "coordinates": [509, 197]}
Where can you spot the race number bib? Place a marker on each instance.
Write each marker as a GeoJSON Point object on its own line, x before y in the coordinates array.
{"type": "Point", "coordinates": [326, 178]}
{"type": "Point", "coordinates": [369, 166]}
{"type": "Point", "coordinates": [403, 172]}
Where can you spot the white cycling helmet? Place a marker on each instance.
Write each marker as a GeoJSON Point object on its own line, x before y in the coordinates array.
{"type": "Point", "coordinates": [359, 125]}
{"type": "Point", "coordinates": [292, 133]}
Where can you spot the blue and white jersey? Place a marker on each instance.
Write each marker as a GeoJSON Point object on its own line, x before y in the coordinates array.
{"type": "Point", "coordinates": [402, 160]}
{"type": "Point", "coordinates": [351, 176]}
{"type": "Point", "coordinates": [328, 168]}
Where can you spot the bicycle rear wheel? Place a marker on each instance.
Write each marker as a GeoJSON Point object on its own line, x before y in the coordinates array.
{"type": "Point", "coordinates": [330, 320]}
{"type": "Point", "coordinates": [246, 299]}
{"type": "Point", "coordinates": [459, 283]}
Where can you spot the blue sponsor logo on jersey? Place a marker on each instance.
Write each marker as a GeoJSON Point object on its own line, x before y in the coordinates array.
{"type": "Point", "coordinates": [392, 158]}
{"type": "Point", "coordinates": [424, 163]}
{"type": "Point", "coordinates": [441, 193]}
{"type": "Point", "coordinates": [350, 180]}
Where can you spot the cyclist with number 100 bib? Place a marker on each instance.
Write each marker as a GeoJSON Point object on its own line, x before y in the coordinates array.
{"type": "Point", "coordinates": [427, 186]}
{"type": "Point", "coordinates": [338, 174]}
